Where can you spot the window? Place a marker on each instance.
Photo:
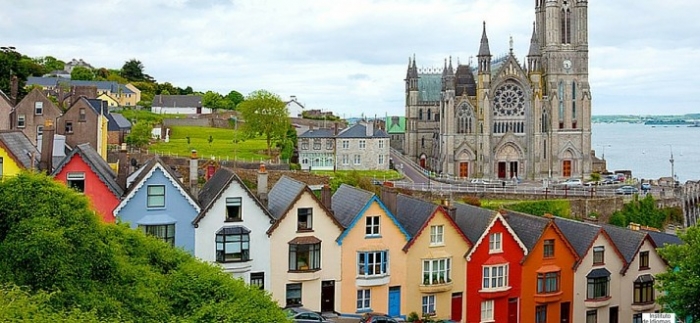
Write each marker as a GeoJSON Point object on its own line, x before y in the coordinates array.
{"type": "Point", "coordinates": [38, 108]}
{"type": "Point", "coordinates": [346, 144]}
{"type": "Point", "coordinates": [317, 144]}
{"type": "Point", "coordinates": [487, 310]}
{"type": "Point", "coordinates": [305, 144]}
{"type": "Point", "coordinates": [549, 248]}
{"type": "Point", "coordinates": [258, 279]}
{"type": "Point", "coordinates": [76, 181]}
{"type": "Point", "coordinates": [372, 225]}
{"type": "Point", "coordinates": [232, 244]}
{"type": "Point", "coordinates": [293, 294]}
{"type": "Point", "coordinates": [436, 271]}
{"type": "Point", "coordinates": [637, 318]}
{"type": "Point", "coordinates": [381, 160]}
{"type": "Point", "coordinates": [547, 282]}
{"type": "Point", "coordinates": [21, 121]}
{"type": "Point", "coordinates": [304, 217]}
{"type": "Point", "coordinates": [329, 144]}
{"type": "Point", "coordinates": [363, 144]}
{"type": "Point", "coordinates": [346, 159]}
{"type": "Point", "coordinates": [592, 316]}
{"type": "Point", "coordinates": [644, 260]}
{"type": "Point", "coordinates": [644, 289]}
{"type": "Point", "coordinates": [599, 255]}
{"type": "Point", "coordinates": [155, 196]}
{"type": "Point", "coordinates": [358, 159]}
{"type": "Point", "coordinates": [39, 131]}
{"type": "Point", "coordinates": [598, 287]}
{"type": "Point", "coordinates": [363, 299]}
{"type": "Point", "coordinates": [437, 234]}
{"type": "Point", "coordinates": [429, 305]}
{"type": "Point", "coordinates": [541, 314]}
{"type": "Point", "coordinates": [495, 277]}
{"type": "Point", "coordinates": [372, 263]}
{"type": "Point", "coordinates": [165, 232]}
{"type": "Point", "coordinates": [69, 127]}
{"type": "Point", "coordinates": [495, 242]}
{"type": "Point", "coordinates": [81, 115]}
{"type": "Point", "coordinates": [304, 257]}
{"type": "Point", "coordinates": [233, 209]}
{"type": "Point", "coordinates": [381, 144]}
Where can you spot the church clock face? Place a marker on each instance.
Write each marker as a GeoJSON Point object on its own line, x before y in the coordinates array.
{"type": "Point", "coordinates": [509, 101]}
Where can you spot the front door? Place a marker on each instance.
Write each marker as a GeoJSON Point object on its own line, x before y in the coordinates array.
{"type": "Point", "coordinates": [566, 168]}
{"type": "Point", "coordinates": [394, 301]}
{"type": "Point", "coordinates": [512, 310]}
{"type": "Point", "coordinates": [328, 296]}
{"type": "Point", "coordinates": [501, 169]}
{"type": "Point", "coordinates": [456, 307]}
{"type": "Point", "coordinates": [513, 170]}
{"type": "Point", "coordinates": [422, 162]}
{"type": "Point", "coordinates": [463, 169]}
{"type": "Point", "coordinates": [565, 309]}
{"type": "Point", "coordinates": [613, 314]}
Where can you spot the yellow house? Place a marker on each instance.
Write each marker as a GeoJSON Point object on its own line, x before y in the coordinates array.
{"type": "Point", "coordinates": [436, 282]}
{"type": "Point", "coordinates": [374, 264]}
{"type": "Point", "coordinates": [306, 268]}
{"type": "Point", "coordinates": [111, 102]}
{"type": "Point", "coordinates": [16, 153]}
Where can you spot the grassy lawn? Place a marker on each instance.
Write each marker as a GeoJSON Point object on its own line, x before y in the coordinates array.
{"type": "Point", "coordinates": [378, 174]}
{"type": "Point", "coordinates": [221, 147]}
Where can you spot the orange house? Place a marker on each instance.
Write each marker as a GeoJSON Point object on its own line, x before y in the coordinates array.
{"type": "Point", "coordinates": [548, 278]}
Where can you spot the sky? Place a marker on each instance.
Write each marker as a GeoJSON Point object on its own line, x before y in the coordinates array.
{"type": "Point", "coordinates": [350, 56]}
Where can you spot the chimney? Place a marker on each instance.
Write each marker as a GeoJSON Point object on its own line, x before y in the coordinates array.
{"type": "Point", "coordinates": [388, 196]}
{"type": "Point", "coordinates": [262, 184]}
{"type": "Point", "coordinates": [451, 209]}
{"type": "Point", "coordinates": [14, 88]}
{"type": "Point", "coordinates": [369, 129]}
{"type": "Point", "coordinates": [194, 178]}
{"type": "Point", "coordinates": [634, 226]}
{"type": "Point", "coordinates": [326, 197]}
{"type": "Point", "coordinates": [335, 129]}
{"type": "Point", "coordinates": [123, 167]}
{"type": "Point", "coordinates": [549, 216]}
{"type": "Point", "coordinates": [46, 157]}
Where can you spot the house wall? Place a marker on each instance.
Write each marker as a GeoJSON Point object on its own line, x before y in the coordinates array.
{"type": "Point", "coordinates": [368, 155]}
{"type": "Point", "coordinates": [32, 120]}
{"type": "Point", "coordinates": [325, 229]}
{"type": "Point", "coordinates": [84, 131]}
{"type": "Point", "coordinates": [5, 109]}
{"type": "Point", "coordinates": [103, 201]}
{"type": "Point", "coordinates": [111, 102]}
{"type": "Point", "coordinates": [176, 207]}
{"type": "Point", "coordinates": [392, 240]}
{"type": "Point", "coordinates": [512, 254]}
{"type": "Point", "coordinates": [613, 263]}
{"type": "Point", "coordinates": [179, 110]}
{"type": "Point", "coordinates": [9, 166]}
{"type": "Point", "coordinates": [254, 219]}
{"type": "Point", "coordinates": [326, 157]}
{"type": "Point", "coordinates": [564, 258]}
{"type": "Point", "coordinates": [656, 266]}
{"type": "Point", "coordinates": [455, 247]}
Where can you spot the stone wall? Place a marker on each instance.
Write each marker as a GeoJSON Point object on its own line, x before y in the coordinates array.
{"type": "Point", "coordinates": [193, 122]}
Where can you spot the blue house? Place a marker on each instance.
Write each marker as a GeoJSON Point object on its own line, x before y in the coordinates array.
{"type": "Point", "coordinates": [160, 205]}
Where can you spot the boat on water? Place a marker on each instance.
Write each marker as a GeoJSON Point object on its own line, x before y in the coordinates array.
{"type": "Point", "coordinates": [668, 123]}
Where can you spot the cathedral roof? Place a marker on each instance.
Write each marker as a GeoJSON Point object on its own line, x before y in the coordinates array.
{"type": "Point", "coordinates": [429, 87]}
{"type": "Point", "coordinates": [534, 44]}
{"type": "Point", "coordinates": [464, 80]}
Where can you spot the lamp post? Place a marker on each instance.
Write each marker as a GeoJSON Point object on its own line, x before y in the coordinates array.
{"type": "Point", "coordinates": [604, 150]}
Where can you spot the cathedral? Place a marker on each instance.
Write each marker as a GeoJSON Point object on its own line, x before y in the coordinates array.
{"type": "Point", "coordinates": [503, 119]}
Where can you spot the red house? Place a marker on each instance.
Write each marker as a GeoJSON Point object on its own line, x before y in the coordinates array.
{"type": "Point", "coordinates": [494, 274]}
{"type": "Point", "coordinates": [84, 170]}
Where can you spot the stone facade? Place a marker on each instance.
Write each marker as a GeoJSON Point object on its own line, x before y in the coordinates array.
{"type": "Point", "coordinates": [31, 113]}
{"type": "Point", "coordinates": [358, 147]}
{"type": "Point", "coordinates": [502, 118]}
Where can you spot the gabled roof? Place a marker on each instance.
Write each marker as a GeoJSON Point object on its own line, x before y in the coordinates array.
{"type": "Point", "coordinates": [358, 130]}
{"type": "Point", "coordinates": [349, 203]}
{"type": "Point", "coordinates": [284, 194]}
{"type": "Point", "coordinates": [432, 212]}
{"type": "Point", "coordinates": [20, 148]}
{"type": "Point", "coordinates": [318, 133]}
{"type": "Point", "coordinates": [116, 122]}
{"type": "Point", "coordinates": [661, 238]}
{"type": "Point", "coordinates": [216, 185]}
{"type": "Point", "coordinates": [580, 234]}
{"type": "Point", "coordinates": [145, 172]}
{"type": "Point", "coordinates": [472, 220]}
{"type": "Point", "coordinates": [413, 212]}
{"type": "Point", "coordinates": [177, 101]}
{"type": "Point", "coordinates": [498, 217]}
{"type": "Point", "coordinates": [395, 124]}
{"type": "Point", "coordinates": [529, 228]}
{"type": "Point", "coordinates": [627, 242]}
{"type": "Point", "coordinates": [98, 166]}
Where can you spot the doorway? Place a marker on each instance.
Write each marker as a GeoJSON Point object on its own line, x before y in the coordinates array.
{"type": "Point", "coordinates": [456, 313]}
{"type": "Point", "coordinates": [513, 310]}
{"type": "Point", "coordinates": [566, 168]}
{"type": "Point", "coordinates": [566, 312]}
{"type": "Point", "coordinates": [394, 301]}
{"type": "Point", "coordinates": [463, 169]}
{"type": "Point", "coordinates": [513, 169]}
{"type": "Point", "coordinates": [328, 296]}
{"type": "Point", "coordinates": [501, 169]}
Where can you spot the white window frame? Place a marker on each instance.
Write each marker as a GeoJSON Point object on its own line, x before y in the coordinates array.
{"type": "Point", "coordinates": [358, 159]}
{"type": "Point", "coordinates": [364, 299]}
{"type": "Point", "coordinates": [381, 143]}
{"type": "Point", "coordinates": [381, 159]}
{"type": "Point", "coordinates": [76, 177]}
{"type": "Point", "coordinates": [363, 144]}
{"type": "Point", "coordinates": [495, 242]}
{"type": "Point", "coordinates": [437, 235]}
{"type": "Point", "coordinates": [373, 226]}
{"type": "Point", "coordinates": [487, 311]}
{"type": "Point", "coordinates": [433, 269]}
{"type": "Point", "coordinates": [346, 144]}
{"type": "Point", "coordinates": [493, 279]}
{"type": "Point", "coordinates": [21, 121]}
{"type": "Point", "coordinates": [428, 305]}
{"type": "Point", "coordinates": [346, 159]}
{"type": "Point", "coordinates": [38, 108]}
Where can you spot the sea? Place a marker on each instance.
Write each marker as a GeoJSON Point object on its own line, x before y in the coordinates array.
{"type": "Point", "coordinates": [646, 150]}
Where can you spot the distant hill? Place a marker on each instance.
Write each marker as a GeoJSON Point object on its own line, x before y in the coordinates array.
{"type": "Point", "coordinates": [651, 119]}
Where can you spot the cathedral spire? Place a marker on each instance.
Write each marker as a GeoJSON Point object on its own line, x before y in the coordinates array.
{"type": "Point", "coordinates": [534, 44]}
{"type": "Point", "coordinates": [449, 68]}
{"type": "Point", "coordinates": [484, 48]}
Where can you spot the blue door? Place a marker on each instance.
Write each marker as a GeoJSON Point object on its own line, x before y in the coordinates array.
{"type": "Point", "coordinates": [395, 301]}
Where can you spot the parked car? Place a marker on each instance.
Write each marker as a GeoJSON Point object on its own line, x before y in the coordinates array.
{"type": "Point", "coordinates": [479, 181]}
{"type": "Point", "coordinates": [374, 317]}
{"type": "Point", "coordinates": [303, 315]}
{"type": "Point", "coordinates": [572, 182]}
{"type": "Point", "coordinates": [646, 186]}
{"type": "Point", "coordinates": [626, 190]}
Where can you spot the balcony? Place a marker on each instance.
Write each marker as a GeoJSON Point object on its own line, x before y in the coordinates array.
{"type": "Point", "coordinates": [304, 275]}
{"type": "Point", "coordinates": [642, 307]}
{"type": "Point", "coordinates": [436, 288]}
{"type": "Point", "coordinates": [237, 267]}
{"type": "Point", "coordinates": [597, 302]}
{"type": "Point", "coordinates": [543, 298]}
{"type": "Point", "coordinates": [493, 293]}
{"type": "Point", "coordinates": [369, 281]}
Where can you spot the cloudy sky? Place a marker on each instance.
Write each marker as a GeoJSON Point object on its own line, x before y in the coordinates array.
{"type": "Point", "coordinates": [350, 57]}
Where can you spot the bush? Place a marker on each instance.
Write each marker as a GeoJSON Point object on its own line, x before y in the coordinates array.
{"type": "Point", "coordinates": [560, 208]}
{"type": "Point", "coordinates": [471, 200]}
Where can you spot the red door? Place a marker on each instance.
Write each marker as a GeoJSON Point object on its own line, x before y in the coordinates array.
{"type": "Point", "coordinates": [501, 170]}
{"type": "Point", "coordinates": [456, 307]}
{"type": "Point", "coordinates": [422, 162]}
{"type": "Point", "coordinates": [464, 169]}
{"type": "Point", "coordinates": [566, 168]}
{"type": "Point", "coordinates": [512, 310]}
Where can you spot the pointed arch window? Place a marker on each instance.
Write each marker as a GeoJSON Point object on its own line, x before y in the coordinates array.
{"type": "Point", "coordinates": [561, 104]}
{"type": "Point", "coordinates": [465, 119]}
{"type": "Point", "coordinates": [566, 24]}
{"type": "Point", "coordinates": [420, 114]}
{"type": "Point", "coordinates": [430, 115]}
{"type": "Point", "coordinates": [573, 100]}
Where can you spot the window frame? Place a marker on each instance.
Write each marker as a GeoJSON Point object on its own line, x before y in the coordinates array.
{"type": "Point", "coordinates": [295, 287]}
{"type": "Point", "coordinates": [381, 144]}
{"type": "Point", "coordinates": [643, 260]}
{"type": "Point", "coordinates": [364, 300]}
{"type": "Point", "coordinates": [168, 233]}
{"type": "Point", "coordinates": [362, 144]}
{"type": "Point", "coordinates": [305, 144]}
{"type": "Point", "coordinates": [222, 256]}
{"type": "Point", "coordinates": [346, 144]}
{"type": "Point", "coordinates": [21, 121]}
{"type": "Point", "coordinates": [433, 272]}
{"type": "Point", "coordinates": [549, 282]}
{"type": "Point", "coordinates": [644, 292]}
{"type": "Point", "coordinates": [437, 235]}
{"type": "Point", "coordinates": [357, 159]}
{"type": "Point", "coordinates": [76, 181]}
{"type": "Point", "coordinates": [495, 242]}
{"type": "Point", "coordinates": [598, 255]}
{"type": "Point", "coordinates": [329, 144]}
{"type": "Point", "coordinates": [234, 204]}
{"type": "Point", "coordinates": [373, 226]}
{"type": "Point", "coordinates": [317, 144]}
{"type": "Point", "coordinates": [377, 266]}
{"type": "Point", "coordinates": [548, 248]}
{"type": "Point", "coordinates": [82, 115]}
{"type": "Point", "coordinates": [492, 279]}
{"type": "Point", "coordinates": [313, 257]}
{"type": "Point", "coordinates": [592, 316]}
{"type": "Point", "coordinates": [594, 287]}
{"type": "Point", "coordinates": [487, 310]}
{"type": "Point", "coordinates": [150, 195]}
{"type": "Point", "coordinates": [38, 108]}
{"type": "Point", "coordinates": [346, 159]}
{"type": "Point", "coordinates": [541, 313]}
{"type": "Point", "coordinates": [428, 305]}
{"type": "Point", "coordinates": [258, 279]}
{"type": "Point", "coordinates": [306, 225]}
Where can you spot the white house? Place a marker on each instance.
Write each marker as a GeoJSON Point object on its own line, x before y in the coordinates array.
{"type": "Point", "coordinates": [178, 104]}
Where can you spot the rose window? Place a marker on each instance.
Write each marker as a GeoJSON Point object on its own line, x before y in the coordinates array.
{"type": "Point", "coordinates": [509, 101]}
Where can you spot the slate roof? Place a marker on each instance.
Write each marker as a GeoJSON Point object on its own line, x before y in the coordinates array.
{"type": "Point", "coordinates": [627, 241]}
{"type": "Point", "coordinates": [98, 165]}
{"type": "Point", "coordinates": [283, 194]}
{"type": "Point", "coordinates": [579, 234]}
{"type": "Point", "coordinates": [317, 133]}
{"type": "Point", "coordinates": [528, 227]}
{"type": "Point", "coordinates": [177, 101]}
{"type": "Point", "coordinates": [216, 185]}
{"type": "Point", "coordinates": [98, 105]}
{"type": "Point", "coordinates": [472, 220]}
{"type": "Point", "coordinates": [116, 122]}
{"type": "Point", "coordinates": [413, 212]}
{"type": "Point", "coordinates": [20, 148]}
{"type": "Point", "coordinates": [347, 202]}
{"type": "Point", "coordinates": [358, 130]}
{"type": "Point", "coordinates": [111, 86]}
{"type": "Point", "coordinates": [661, 238]}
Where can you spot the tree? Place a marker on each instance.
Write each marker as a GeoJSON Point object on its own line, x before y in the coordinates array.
{"type": "Point", "coordinates": [235, 97]}
{"type": "Point", "coordinates": [82, 73]}
{"type": "Point", "coordinates": [265, 114]}
{"type": "Point", "coordinates": [73, 265]}
{"type": "Point", "coordinates": [140, 134]}
{"type": "Point", "coordinates": [680, 283]}
{"type": "Point", "coordinates": [133, 70]}
{"type": "Point", "coordinates": [215, 101]}
{"type": "Point", "coordinates": [11, 64]}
